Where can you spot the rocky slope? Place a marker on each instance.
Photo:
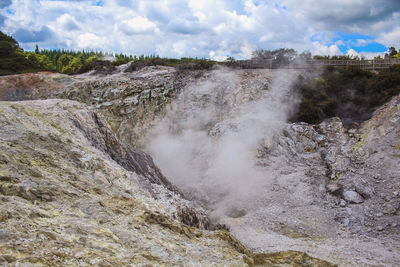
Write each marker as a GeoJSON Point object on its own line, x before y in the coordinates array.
{"type": "Point", "coordinates": [334, 192]}
{"type": "Point", "coordinates": [71, 194]}
{"type": "Point", "coordinates": [322, 189]}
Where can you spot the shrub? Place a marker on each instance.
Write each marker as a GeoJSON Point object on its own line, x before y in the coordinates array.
{"type": "Point", "coordinates": [349, 92]}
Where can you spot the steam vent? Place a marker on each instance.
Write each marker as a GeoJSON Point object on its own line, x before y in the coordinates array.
{"type": "Point", "coordinates": [189, 133]}
{"type": "Point", "coordinates": [224, 179]}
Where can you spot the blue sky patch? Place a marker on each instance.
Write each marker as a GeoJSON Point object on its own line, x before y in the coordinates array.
{"type": "Point", "coordinates": [99, 3]}
{"type": "Point", "coordinates": [238, 7]}
{"type": "Point", "coordinates": [358, 42]}
{"type": "Point", "coordinates": [350, 37]}
{"type": "Point", "coordinates": [280, 7]}
{"type": "Point", "coordinates": [10, 12]}
{"type": "Point", "coordinates": [371, 47]}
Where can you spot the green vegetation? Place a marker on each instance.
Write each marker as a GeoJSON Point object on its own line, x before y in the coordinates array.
{"type": "Point", "coordinates": [277, 57]}
{"type": "Point", "coordinates": [341, 57]}
{"type": "Point", "coordinates": [348, 92]}
{"type": "Point", "coordinates": [283, 57]}
{"type": "Point", "coordinates": [73, 62]}
{"type": "Point", "coordinates": [180, 64]}
{"type": "Point", "coordinates": [14, 60]}
{"type": "Point", "coordinates": [392, 53]}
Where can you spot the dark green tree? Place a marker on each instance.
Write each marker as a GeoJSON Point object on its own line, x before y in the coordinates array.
{"type": "Point", "coordinates": [392, 51]}
{"type": "Point", "coordinates": [12, 59]}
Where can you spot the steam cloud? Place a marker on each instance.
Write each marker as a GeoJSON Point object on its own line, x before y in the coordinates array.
{"type": "Point", "coordinates": [207, 144]}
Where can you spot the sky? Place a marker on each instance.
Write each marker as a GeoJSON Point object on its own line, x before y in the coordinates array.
{"type": "Point", "coordinates": [212, 29]}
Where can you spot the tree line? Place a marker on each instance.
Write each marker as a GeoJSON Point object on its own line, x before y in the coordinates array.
{"type": "Point", "coordinates": [14, 60]}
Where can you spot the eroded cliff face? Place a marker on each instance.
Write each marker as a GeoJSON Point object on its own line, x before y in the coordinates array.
{"type": "Point", "coordinates": [221, 138]}
{"type": "Point", "coordinates": [130, 102]}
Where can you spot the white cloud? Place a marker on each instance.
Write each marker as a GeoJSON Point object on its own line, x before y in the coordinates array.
{"type": "Point", "coordinates": [371, 55]}
{"type": "Point", "coordinates": [180, 47]}
{"type": "Point", "coordinates": [91, 41]}
{"type": "Point", "coordinates": [246, 50]}
{"type": "Point", "coordinates": [138, 25]}
{"type": "Point", "coordinates": [344, 15]}
{"type": "Point", "coordinates": [352, 53]}
{"type": "Point", "coordinates": [67, 22]}
{"type": "Point", "coordinates": [391, 38]}
{"type": "Point", "coordinates": [177, 28]}
{"type": "Point", "coordinates": [267, 37]}
{"type": "Point", "coordinates": [366, 55]}
{"type": "Point", "coordinates": [217, 57]}
{"type": "Point", "coordinates": [325, 50]}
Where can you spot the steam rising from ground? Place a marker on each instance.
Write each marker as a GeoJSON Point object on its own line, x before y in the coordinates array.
{"type": "Point", "coordinates": [209, 140]}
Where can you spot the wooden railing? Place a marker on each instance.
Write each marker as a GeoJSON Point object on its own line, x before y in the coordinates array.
{"type": "Point", "coordinates": [374, 64]}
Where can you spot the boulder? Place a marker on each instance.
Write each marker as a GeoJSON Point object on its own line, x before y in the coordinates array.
{"type": "Point", "coordinates": [353, 197]}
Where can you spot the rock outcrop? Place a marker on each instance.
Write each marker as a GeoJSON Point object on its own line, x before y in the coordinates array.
{"type": "Point", "coordinates": [333, 188]}
{"type": "Point", "coordinates": [130, 102]}
{"type": "Point", "coordinates": [71, 194]}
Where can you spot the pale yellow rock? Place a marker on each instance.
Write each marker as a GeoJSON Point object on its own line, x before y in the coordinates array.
{"type": "Point", "coordinates": [64, 202]}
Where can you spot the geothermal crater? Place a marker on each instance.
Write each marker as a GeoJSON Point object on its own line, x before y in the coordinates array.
{"type": "Point", "coordinates": [76, 189]}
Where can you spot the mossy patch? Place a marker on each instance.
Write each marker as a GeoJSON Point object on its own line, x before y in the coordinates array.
{"type": "Point", "coordinates": [289, 258]}
{"type": "Point", "coordinates": [164, 221]}
{"type": "Point", "coordinates": [290, 231]}
{"type": "Point", "coordinates": [397, 146]}
{"type": "Point", "coordinates": [362, 138]}
{"type": "Point", "coordinates": [114, 124]}
{"type": "Point", "coordinates": [226, 236]}
{"type": "Point", "coordinates": [394, 110]}
{"type": "Point", "coordinates": [41, 117]}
